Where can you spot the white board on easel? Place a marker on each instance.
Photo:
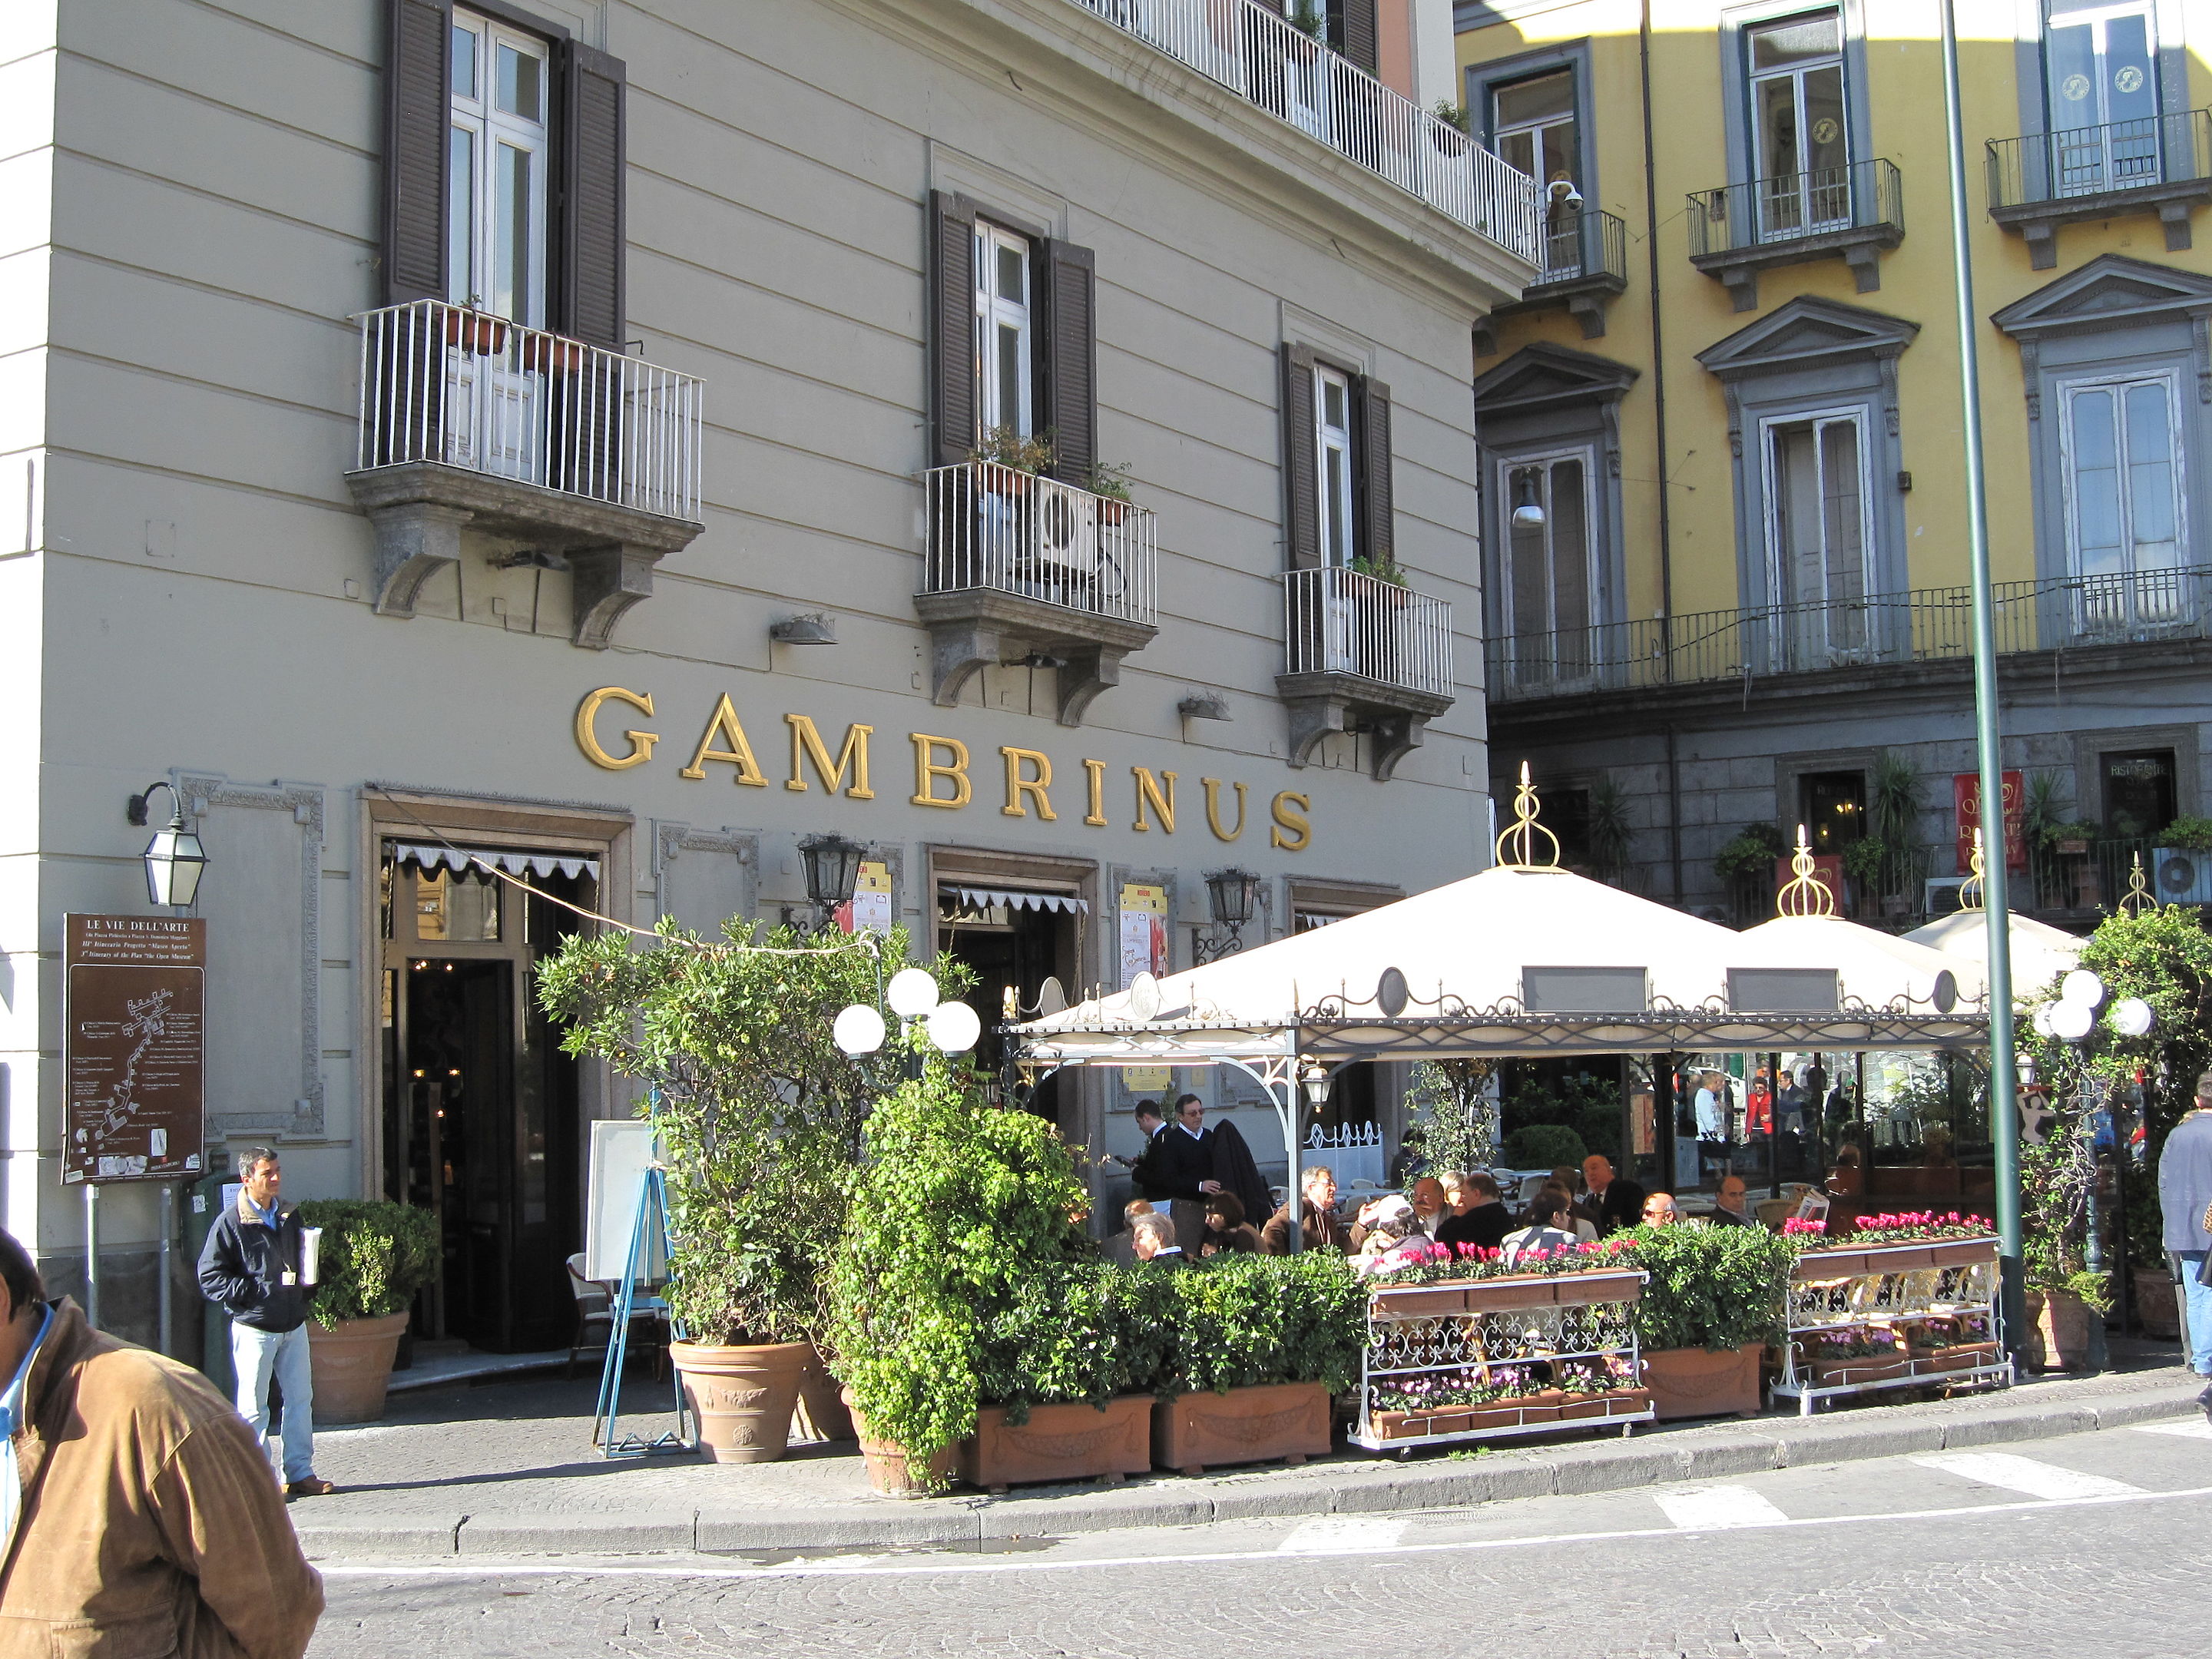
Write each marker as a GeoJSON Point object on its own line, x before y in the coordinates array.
{"type": "Point", "coordinates": [622, 1149]}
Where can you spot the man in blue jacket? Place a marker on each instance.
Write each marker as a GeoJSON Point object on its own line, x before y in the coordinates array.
{"type": "Point", "coordinates": [251, 1266]}
{"type": "Point", "coordinates": [2184, 1191]}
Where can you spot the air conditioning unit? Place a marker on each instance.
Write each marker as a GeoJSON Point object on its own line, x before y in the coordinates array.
{"type": "Point", "coordinates": [1940, 893]}
{"type": "Point", "coordinates": [2179, 877]}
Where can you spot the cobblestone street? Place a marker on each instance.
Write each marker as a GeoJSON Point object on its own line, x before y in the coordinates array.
{"type": "Point", "coordinates": [2083, 1543]}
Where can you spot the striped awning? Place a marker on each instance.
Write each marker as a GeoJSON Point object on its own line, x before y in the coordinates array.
{"type": "Point", "coordinates": [987, 898]}
{"type": "Point", "coordinates": [498, 858]}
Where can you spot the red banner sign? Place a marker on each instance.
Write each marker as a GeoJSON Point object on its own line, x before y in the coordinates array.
{"type": "Point", "coordinates": [1966, 798]}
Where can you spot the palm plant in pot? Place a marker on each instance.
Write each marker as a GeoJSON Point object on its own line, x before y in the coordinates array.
{"type": "Point", "coordinates": [761, 1117]}
{"type": "Point", "coordinates": [374, 1256]}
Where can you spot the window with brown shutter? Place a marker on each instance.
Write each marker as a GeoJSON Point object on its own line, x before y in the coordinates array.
{"type": "Point", "coordinates": [1067, 354]}
{"type": "Point", "coordinates": [1371, 401]}
{"type": "Point", "coordinates": [1306, 543]}
{"type": "Point", "coordinates": [585, 251]}
{"type": "Point", "coordinates": [952, 432]}
{"type": "Point", "coordinates": [1301, 460]}
{"type": "Point", "coordinates": [1352, 31]}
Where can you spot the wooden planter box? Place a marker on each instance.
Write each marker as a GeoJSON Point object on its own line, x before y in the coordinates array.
{"type": "Point", "coordinates": [1963, 1356]}
{"type": "Point", "coordinates": [1590, 1289]}
{"type": "Point", "coordinates": [1438, 1300]}
{"type": "Point", "coordinates": [1058, 1443]}
{"type": "Point", "coordinates": [1286, 1420]}
{"type": "Point", "coordinates": [1500, 1295]}
{"type": "Point", "coordinates": [1820, 1266]}
{"type": "Point", "coordinates": [1620, 1402]}
{"type": "Point", "coordinates": [1866, 1368]}
{"type": "Point", "coordinates": [1962, 1252]}
{"type": "Point", "coordinates": [1687, 1382]}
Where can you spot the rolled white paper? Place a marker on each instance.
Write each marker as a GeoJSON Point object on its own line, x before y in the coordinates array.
{"type": "Point", "coordinates": [311, 1250]}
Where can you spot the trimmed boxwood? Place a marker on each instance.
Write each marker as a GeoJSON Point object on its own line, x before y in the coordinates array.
{"type": "Point", "coordinates": [1710, 1287]}
{"type": "Point", "coordinates": [373, 1257]}
{"type": "Point", "coordinates": [1083, 1331]}
{"type": "Point", "coordinates": [1242, 1320]}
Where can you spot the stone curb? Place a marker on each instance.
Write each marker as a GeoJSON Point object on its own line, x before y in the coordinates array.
{"type": "Point", "coordinates": [1712, 1452]}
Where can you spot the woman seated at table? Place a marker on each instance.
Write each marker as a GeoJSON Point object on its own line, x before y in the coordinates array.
{"type": "Point", "coordinates": [1226, 1230]}
{"type": "Point", "coordinates": [1394, 1238]}
{"type": "Point", "coordinates": [1545, 1232]}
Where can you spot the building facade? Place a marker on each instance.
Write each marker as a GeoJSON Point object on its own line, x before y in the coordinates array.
{"type": "Point", "coordinates": [1724, 478]}
{"type": "Point", "coordinates": [608, 445]}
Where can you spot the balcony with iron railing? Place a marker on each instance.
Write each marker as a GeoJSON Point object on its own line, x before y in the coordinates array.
{"type": "Point", "coordinates": [468, 420]}
{"type": "Point", "coordinates": [1266, 59]}
{"type": "Point", "coordinates": [1022, 567]}
{"type": "Point", "coordinates": [2159, 164]}
{"type": "Point", "coordinates": [1362, 654]}
{"type": "Point", "coordinates": [1917, 626]}
{"type": "Point", "coordinates": [1585, 265]}
{"type": "Point", "coordinates": [1852, 213]}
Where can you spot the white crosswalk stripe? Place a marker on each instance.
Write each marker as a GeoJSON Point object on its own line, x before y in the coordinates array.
{"type": "Point", "coordinates": [2017, 1474]}
{"type": "Point", "coordinates": [1343, 1534]}
{"type": "Point", "coordinates": [1718, 1506]}
{"type": "Point", "coordinates": [2195, 1428]}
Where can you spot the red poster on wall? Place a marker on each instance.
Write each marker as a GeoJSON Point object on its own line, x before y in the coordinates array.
{"type": "Point", "coordinates": [1966, 798]}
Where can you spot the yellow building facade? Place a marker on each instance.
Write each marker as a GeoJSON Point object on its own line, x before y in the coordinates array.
{"type": "Point", "coordinates": [1725, 520]}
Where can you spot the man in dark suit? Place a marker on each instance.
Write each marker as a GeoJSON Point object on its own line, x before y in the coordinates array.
{"type": "Point", "coordinates": [1182, 1170]}
{"type": "Point", "coordinates": [1608, 1202]}
{"type": "Point", "coordinates": [1144, 1169]}
{"type": "Point", "coordinates": [1479, 1214]}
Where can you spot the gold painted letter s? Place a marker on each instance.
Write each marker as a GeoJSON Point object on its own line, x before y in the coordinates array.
{"type": "Point", "coordinates": [1290, 812]}
{"type": "Point", "coordinates": [587, 739]}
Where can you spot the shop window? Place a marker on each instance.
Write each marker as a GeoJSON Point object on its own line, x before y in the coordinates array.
{"type": "Point", "coordinates": [2141, 797]}
{"type": "Point", "coordinates": [1831, 806]}
{"type": "Point", "coordinates": [455, 907]}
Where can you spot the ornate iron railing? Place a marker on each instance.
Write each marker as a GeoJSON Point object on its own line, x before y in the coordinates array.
{"type": "Point", "coordinates": [1762, 211]}
{"type": "Point", "coordinates": [991, 526]}
{"type": "Point", "coordinates": [2053, 167]}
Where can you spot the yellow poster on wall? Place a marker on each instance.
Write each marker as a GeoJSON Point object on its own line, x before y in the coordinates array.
{"type": "Point", "coordinates": [869, 910]}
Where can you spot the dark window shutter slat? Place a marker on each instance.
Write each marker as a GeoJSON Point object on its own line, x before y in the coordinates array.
{"type": "Point", "coordinates": [1356, 33]}
{"type": "Point", "coordinates": [1376, 509]}
{"type": "Point", "coordinates": [1069, 358]}
{"type": "Point", "coordinates": [1300, 462]}
{"type": "Point", "coordinates": [592, 246]}
{"type": "Point", "coordinates": [952, 328]}
{"type": "Point", "coordinates": [417, 110]}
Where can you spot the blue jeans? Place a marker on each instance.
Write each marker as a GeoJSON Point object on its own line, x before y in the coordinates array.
{"type": "Point", "coordinates": [255, 1356]}
{"type": "Point", "coordinates": [2197, 1305]}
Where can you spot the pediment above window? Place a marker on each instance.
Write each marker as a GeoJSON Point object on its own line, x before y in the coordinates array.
{"type": "Point", "coordinates": [1541, 376]}
{"type": "Point", "coordinates": [1809, 332]}
{"type": "Point", "coordinates": [2111, 291]}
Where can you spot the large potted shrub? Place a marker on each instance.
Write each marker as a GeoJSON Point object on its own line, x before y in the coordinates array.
{"type": "Point", "coordinates": [957, 1207]}
{"type": "Point", "coordinates": [1258, 1346]}
{"type": "Point", "coordinates": [760, 1116]}
{"type": "Point", "coordinates": [1714, 1299]}
{"type": "Point", "coordinates": [374, 1256]}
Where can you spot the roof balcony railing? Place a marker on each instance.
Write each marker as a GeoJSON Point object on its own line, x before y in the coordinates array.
{"type": "Point", "coordinates": [443, 384]}
{"type": "Point", "coordinates": [1338, 621]}
{"type": "Point", "coordinates": [1264, 58]}
{"type": "Point", "coordinates": [2142, 606]}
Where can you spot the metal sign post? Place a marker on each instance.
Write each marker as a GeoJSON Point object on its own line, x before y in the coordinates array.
{"type": "Point", "coordinates": [649, 1245]}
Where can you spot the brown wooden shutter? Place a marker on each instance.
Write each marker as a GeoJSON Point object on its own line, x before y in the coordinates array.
{"type": "Point", "coordinates": [417, 110]}
{"type": "Point", "coordinates": [1355, 33]}
{"type": "Point", "coordinates": [951, 328]}
{"type": "Point", "coordinates": [1371, 406]}
{"type": "Point", "coordinates": [1067, 358]}
{"type": "Point", "coordinates": [1300, 461]}
{"type": "Point", "coordinates": [590, 302]}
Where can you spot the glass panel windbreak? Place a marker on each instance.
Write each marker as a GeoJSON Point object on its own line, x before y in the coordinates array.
{"type": "Point", "coordinates": [1799, 116]}
{"type": "Point", "coordinates": [1817, 492]}
{"type": "Point", "coordinates": [2126, 506]}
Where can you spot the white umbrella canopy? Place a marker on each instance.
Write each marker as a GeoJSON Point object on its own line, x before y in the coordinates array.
{"type": "Point", "coordinates": [1874, 969]}
{"type": "Point", "coordinates": [2040, 952]}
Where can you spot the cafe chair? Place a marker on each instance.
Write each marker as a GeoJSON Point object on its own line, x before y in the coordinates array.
{"type": "Point", "coordinates": [595, 1322]}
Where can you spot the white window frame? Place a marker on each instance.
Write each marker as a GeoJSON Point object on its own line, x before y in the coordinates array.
{"type": "Point", "coordinates": [1535, 130]}
{"type": "Point", "coordinates": [992, 313]}
{"type": "Point", "coordinates": [2066, 390]}
{"type": "Point", "coordinates": [1333, 447]}
{"type": "Point", "coordinates": [493, 127]}
{"type": "Point", "coordinates": [1808, 220]}
{"type": "Point", "coordinates": [1861, 416]}
{"type": "Point", "coordinates": [1548, 459]}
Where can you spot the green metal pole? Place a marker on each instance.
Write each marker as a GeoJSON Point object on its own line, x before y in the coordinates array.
{"type": "Point", "coordinates": [2005, 1095]}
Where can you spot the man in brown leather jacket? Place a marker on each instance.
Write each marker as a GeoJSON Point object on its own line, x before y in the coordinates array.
{"type": "Point", "coordinates": [137, 1514]}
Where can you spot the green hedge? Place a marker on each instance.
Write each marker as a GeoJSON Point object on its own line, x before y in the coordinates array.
{"type": "Point", "coordinates": [374, 1256]}
{"type": "Point", "coordinates": [1710, 1287]}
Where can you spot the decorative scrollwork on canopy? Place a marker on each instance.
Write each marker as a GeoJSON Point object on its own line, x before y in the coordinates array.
{"type": "Point", "coordinates": [1804, 894]}
{"type": "Point", "coordinates": [2138, 898]}
{"type": "Point", "coordinates": [1516, 846]}
{"type": "Point", "coordinates": [1972, 892]}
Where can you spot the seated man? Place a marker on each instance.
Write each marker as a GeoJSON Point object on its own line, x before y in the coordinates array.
{"type": "Point", "coordinates": [1733, 1208]}
{"type": "Point", "coordinates": [1609, 1202]}
{"type": "Point", "coordinates": [1659, 1210]}
{"type": "Point", "coordinates": [1545, 1232]}
{"type": "Point", "coordinates": [1122, 1249]}
{"type": "Point", "coordinates": [1480, 1218]}
{"type": "Point", "coordinates": [1318, 1220]}
{"type": "Point", "coordinates": [1394, 1238]}
{"type": "Point", "coordinates": [1155, 1241]}
{"type": "Point", "coordinates": [1430, 1210]}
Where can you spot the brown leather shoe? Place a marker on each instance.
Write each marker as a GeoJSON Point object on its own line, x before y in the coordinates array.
{"type": "Point", "coordinates": [312, 1486]}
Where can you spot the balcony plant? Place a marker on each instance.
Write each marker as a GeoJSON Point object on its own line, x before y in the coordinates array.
{"type": "Point", "coordinates": [2186, 834]}
{"type": "Point", "coordinates": [1385, 570]}
{"type": "Point", "coordinates": [761, 1117]}
{"type": "Point", "coordinates": [473, 331]}
{"type": "Point", "coordinates": [1110, 484]}
{"type": "Point", "coordinates": [1749, 855]}
{"type": "Point", "coordinates": [1009, 460]}
{"type": "Point", "coordinates": [374, 1256]}
{"type": "Point", "coordinates": [1609, 832]}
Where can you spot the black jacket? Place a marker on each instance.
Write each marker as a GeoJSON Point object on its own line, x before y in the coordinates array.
{"type": "Point", "coordinates": [1621, 1207]}
{"type": "Point", "coordinates": [243, 1264]}
{"type": "Point", "coordinates": [1175, 1163]}
{"type": "Point", "coordinates": [1484, 1226]}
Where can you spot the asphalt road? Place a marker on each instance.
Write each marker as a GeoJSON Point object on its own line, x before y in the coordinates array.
{"type": "Point", "coordinates": [2094, 1543]}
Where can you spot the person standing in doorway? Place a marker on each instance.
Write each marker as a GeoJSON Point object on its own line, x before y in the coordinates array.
{"type": "Point", "coordinates": [2184, 1197]}
{"type": "Point", "coordinates": [251, 1266]}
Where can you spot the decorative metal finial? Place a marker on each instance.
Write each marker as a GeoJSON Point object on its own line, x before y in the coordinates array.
{"type": "Point", "coordinates": [1521, 836]}
{"type": "Point", "coordinates": [2138, 898]}
{"type": "Point", "coordinates": [1804, 894]}
{"type": "Point", "coordinates": [1972, 893]}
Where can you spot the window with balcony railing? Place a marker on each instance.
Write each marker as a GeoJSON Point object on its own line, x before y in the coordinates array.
{"type": "Point", "coordinates": [1021, 533]}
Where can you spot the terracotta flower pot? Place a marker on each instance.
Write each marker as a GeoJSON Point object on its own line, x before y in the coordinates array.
{"type": "Point", "coordinates": [1432, 1299]}
{"type": "Point", "coordinates": [1058, 1443]}
{"type": "Point", "coordinates": [351, 1363]}
{"type": "Point", "coordinates": [1498, 1294]}
{"type": "Point", "coordinates": [742, 1396]}
{"type": "Point", "coordinates": [889, 1470]}
{"type": "Point", "coordinates": [1286, 1420]}
{"type": "Point", "coordinates": [1698, 1382]}
{"type": "Point", "coordinates": [2155, 1303]}
{"type": "Point", "coordinates": [2064, 1324]}
{"type": "Point", "coordinates": [821, 1413]}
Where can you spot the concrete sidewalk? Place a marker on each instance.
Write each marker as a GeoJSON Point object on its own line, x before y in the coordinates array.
{"type": "Point", "coordinates": [507, 1468]}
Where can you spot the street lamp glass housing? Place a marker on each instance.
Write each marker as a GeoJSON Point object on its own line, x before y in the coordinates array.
{"type": "Point", "coordinates": [1230, 894]}
{"type": "Point", "coordinates": [2070, 1021]}
{"type": "Point", "coordinates": [2131, 1016]}
{"type": "Point", "coordinates": [175, 861]}
{"type": "Point", "coordinates": [1528, 511]}
{"type": "Point", "coordinates": [833, 868]}
{"type": "Point", "coordinates": [912, 993]}
{"type": "Point", "coordinates": [2082, 987]}
{"type": "Point", "coordinates": [1317, 1080]}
